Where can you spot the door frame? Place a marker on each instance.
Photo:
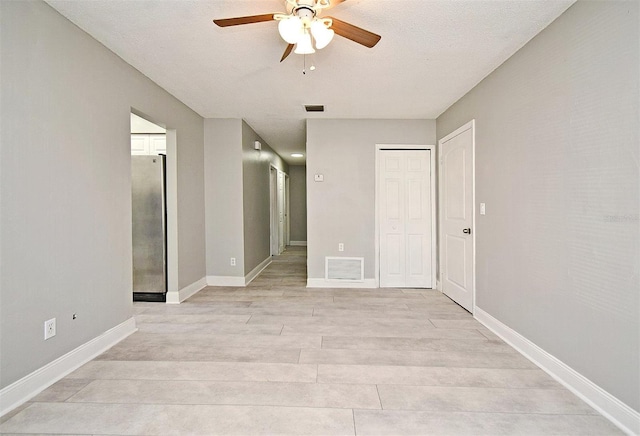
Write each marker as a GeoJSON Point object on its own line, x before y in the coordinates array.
{"type": "Point", "coordinates": [171, 204]}
{"type": "Point", "coordinates": [432, 166]}
{"type": "Point", "coordinates": [470, 125]}
{"type": "Point", "coordinates": [287, 211]}
{"type": "Point", "coordinates": [273, 211]}
{"type": "Point", "coordinates": [281, 211]}
{"type": "Point", "coordinates": [172, 211]}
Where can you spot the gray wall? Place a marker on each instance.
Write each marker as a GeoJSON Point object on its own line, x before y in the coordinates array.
{"type": "Point", "coordinates": [223, 202]}
{"type": "Point", "coordinates": [558, 252]}
{"type": "Point", "coordinates": [255, 176]}
{"type": "Point", "coordinates": [298, 202]}
{"type": "Point", "coordinates": [237, 197]}
{"type": "Point", "coordinates": [342, 208]}
{"type": "Point", "coordinates": [65, 236]}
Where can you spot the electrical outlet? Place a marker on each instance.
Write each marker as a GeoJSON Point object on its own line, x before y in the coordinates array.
{"type": "Point", "coordinates": [340, 246]}
{"type": "Point", "coordinates": [49, 328]}
{"type": "Point", "coordinates": [233, 261]}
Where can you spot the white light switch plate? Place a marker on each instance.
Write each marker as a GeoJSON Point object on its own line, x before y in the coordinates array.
{"type": "Point", "coordinates": [483, 209]}
{"type": "Point", "coordinates": [318, 177]}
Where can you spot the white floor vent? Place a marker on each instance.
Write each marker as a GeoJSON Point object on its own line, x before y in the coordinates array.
{"type": "Point", "coordinates": [345, 269]}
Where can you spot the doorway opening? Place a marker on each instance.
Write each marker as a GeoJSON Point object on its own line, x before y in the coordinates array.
{"type": "Point", "coordinates": [153, 206]}
{"type": "Point", "coordinates": [279, 210]}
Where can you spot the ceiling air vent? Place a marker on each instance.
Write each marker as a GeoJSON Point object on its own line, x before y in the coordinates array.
{"type": "Point", "coordinates": [314, 107]}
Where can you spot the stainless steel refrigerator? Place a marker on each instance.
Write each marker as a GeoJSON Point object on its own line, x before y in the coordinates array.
{"type": "Point", "coordinates": [148, 194]}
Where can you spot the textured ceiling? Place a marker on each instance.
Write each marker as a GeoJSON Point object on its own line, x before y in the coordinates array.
{"type": "Point", "coordinates": [431, 54]}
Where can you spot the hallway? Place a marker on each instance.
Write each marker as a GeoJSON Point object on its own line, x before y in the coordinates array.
{"type": "Point", "coordinates": [278, 358]}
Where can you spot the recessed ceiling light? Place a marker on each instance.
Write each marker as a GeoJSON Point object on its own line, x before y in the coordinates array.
{"type": "Point", "coordinates": [297, 155]}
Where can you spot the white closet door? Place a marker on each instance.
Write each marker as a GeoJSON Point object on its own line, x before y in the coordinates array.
{"type": "Point", "coordinates": [405, 218]}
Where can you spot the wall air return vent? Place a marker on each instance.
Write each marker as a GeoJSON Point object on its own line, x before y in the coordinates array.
{"type": "Point", "coordinates": [314, 107]}
{"type": "Point", "coordinates": [345, 269]}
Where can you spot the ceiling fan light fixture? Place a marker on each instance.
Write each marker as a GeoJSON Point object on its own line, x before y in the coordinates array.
{"type": "Point", "coordinates": [304, 30]}
{"type": "Point", "coordinates": [304, 45]}
{"type": "Point", "coordinates": [291, 29]}
{"type": "Point", "coordinates": [321, 33]}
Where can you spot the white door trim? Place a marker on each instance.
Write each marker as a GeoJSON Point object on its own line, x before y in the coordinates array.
{"type": "Point", "coordinates": [281, 211]}
{"type": "Point", "coordinates": [172, 211]}
{"type": "Point", "coordinates": [470, 125]}
{"type": "Point", "coordinates": [273, 211]}
{"type": "Point", "coordinates": [287, 210]}
{"type": "Point", "coordinates": [432, 164]}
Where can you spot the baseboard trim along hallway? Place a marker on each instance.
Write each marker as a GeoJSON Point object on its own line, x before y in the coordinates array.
{"type": "Point", "coordinates": [238, 282]}
{"type": "Point", "coordinates": [29, 386]}
{"type": "Point", "coordinates": [225, 281]}
{"type": "Point", "coordinates": [177, 297]}
{"type": "Point", "coordinates": [615, 410]}
{"type": "Point", "coordinates": [257, 270]}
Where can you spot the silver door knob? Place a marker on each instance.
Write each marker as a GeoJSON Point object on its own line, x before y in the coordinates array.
{"type": "Point", "coordinates": [467, 231]}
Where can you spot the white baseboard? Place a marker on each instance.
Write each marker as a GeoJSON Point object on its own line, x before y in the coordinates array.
{"type": "Point", "coordinates": [225, 281]}
{"type": "Point", "coordinates": [238, 282]}
{"type": "Point", "coordinates": [31, 385]}
{"type": "Point", "coordinates": [257, 270]}
{"type": "Point", "coordinates": [298, 243]}
{"type": "Point", "coordinates": [623, 416]}
{"type": "Point", "coordinates": [323, 283]}
{"type": "Point", "coordinates": [177, 297]}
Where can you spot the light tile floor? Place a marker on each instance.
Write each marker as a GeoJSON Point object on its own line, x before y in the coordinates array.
{"type": "Point", "coordinates": [278, 358]}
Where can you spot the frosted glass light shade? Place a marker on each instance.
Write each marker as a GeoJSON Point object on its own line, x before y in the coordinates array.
{"type": "Point", "coordinates": [291, 29]}
{"type": "Point", "coordinates": [321, 34]}
{"type": "Point", "coordinates": [304, 45]}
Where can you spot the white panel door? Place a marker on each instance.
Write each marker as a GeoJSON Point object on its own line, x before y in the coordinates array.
{"type": "Point", "coordinates": [157, 144]}
{"type": "Point", "coordinates": [405, 218]}
{"type": "Point", "coordinates": [139, 144]}
{"type": "Point", "coordinates": [456, 203]}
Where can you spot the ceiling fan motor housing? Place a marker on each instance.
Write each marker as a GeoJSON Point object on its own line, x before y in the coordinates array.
{"type": "Point", "coordinates": [314, 5]}
{"type": "Point", "coordinates": [305, 13]}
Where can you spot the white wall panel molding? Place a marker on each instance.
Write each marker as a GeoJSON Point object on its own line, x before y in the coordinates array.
{"type": "Point", "coordinates": [613, 409]}
{"type": "Point", "coordinates": [186, 292]}
{"type": "Point", "coordinates": [29, 386]}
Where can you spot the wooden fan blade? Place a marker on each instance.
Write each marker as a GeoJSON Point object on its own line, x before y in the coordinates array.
{"type": "Point", "coordinates": [287, 51]}
{"type": "Point", "coordinates": [354, 33]}
{"type": "Point", "coordinates": [237, 21]}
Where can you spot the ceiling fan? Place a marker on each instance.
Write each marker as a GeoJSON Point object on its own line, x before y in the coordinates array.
{"type": "Point", "coordinates": [303, 29]}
